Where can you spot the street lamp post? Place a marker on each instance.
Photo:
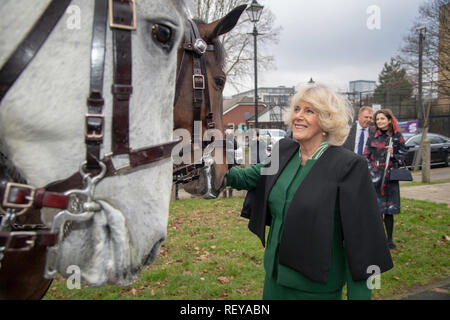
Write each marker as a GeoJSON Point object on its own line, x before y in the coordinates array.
{"type": "Point", "coordinates": [421, 30]}
{"type": "Point", "coordinates": [254, 12]}
{"type": "Point", "coordinates": [255, 34]}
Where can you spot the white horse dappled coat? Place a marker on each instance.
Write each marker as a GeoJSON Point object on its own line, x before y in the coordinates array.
{"type": "Point", "coordinates": [42, 131]}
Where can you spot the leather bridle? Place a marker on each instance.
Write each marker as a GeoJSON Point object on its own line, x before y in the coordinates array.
{"type": "Point", "coordinates": [17, 199]}
{"type": "Point", "coordinates": [196, 48]}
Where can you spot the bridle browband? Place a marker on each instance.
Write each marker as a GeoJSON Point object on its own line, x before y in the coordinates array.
{"type": "Point", "coordinates": [17, 199]}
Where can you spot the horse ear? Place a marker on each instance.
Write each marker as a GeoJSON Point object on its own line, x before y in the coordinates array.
{"type": "Point", "coordinates": [226, 23]}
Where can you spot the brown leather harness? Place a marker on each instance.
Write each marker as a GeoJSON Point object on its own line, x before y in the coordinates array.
{"type": "Point", "coordinates": [195, 47]}
{"type": "Point", "coordinates": [17, 199]}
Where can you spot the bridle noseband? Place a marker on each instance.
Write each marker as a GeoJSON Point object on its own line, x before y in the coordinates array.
{"type": "Point", "coordinates": [17, 199]}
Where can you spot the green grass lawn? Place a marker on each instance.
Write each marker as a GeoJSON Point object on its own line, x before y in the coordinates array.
{"type": "Point", "coordinates": [210, 254]}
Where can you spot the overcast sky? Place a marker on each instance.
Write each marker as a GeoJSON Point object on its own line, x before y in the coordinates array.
{"type": "Point", "coordinates": [329, 40]}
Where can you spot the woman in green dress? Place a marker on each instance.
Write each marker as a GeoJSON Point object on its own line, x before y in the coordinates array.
{"type": "Point", "coordinates": [320, 204]}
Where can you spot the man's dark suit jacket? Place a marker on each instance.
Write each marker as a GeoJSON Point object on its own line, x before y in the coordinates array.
{"type": "Point", "coordinates": [350, 142]}
{"type": "Point", "coordinates": [307, 233]}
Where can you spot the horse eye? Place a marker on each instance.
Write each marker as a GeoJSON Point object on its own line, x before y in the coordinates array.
{"type": "Point", "coordinates": [161, 33]}
{"type": "Point", "coordinates": [220, 82]}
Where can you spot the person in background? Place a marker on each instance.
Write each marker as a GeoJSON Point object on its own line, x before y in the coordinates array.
{"type": "Point", "coordinates": [321, 206]}
{"type": "Point", "coordinates": [289, 133]}
{"type": "Point", "coordinates": [384, 131]}
{"type": "Point", "coordinates": [359, 132]}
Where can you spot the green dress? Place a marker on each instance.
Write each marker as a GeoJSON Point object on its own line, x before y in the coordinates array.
{"type": "Point", "coordinates": [282, 282]}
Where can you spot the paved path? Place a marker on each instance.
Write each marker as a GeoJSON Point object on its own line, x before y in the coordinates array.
{"type": "Point", "coordinates": [436, 174]}
{"type": "Point", "coordinates": [435, 291]}
{"type": "Point", "coordinates": [432, 192]}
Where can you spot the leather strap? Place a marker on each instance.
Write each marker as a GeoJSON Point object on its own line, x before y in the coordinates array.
{"type": "Point", "coordinates": [200, 67]}
{"type": "Point", "coordinates": [25, 240]}
{"type": "Point", "coordinates": [122, 15]}
{"type": "Point", "coordinates": [48, 199]}
{"type": "Point", "coordinates": [15, 196]}
{"type": "Point", "coordinates": [30, 46]}
{"type": "Point", "coordinates": [138, 158]}
{"type": "Point", "coordinates": [95, 121]}
{"type": "Point", "coordinates": [152, 154]}
{"type": "Point", "coordinates": [198, 82]}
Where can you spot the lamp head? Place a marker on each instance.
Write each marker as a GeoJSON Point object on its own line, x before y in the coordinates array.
{"type": "Point", "coordinates": [254, 11]}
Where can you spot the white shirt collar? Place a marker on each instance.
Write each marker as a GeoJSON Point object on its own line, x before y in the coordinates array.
{"type": "Point", "coordinates": [359, 126]}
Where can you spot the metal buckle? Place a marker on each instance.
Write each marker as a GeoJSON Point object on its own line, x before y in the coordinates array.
{"type": "Point", "coordinates": [201, 79]}
{"type": "Point", "coordinates": [7, 204]}
{"type": "Point", "coordinates": [95, 135]}
{"type": "Point", "coordinates": [122, 26]}
{"type": "Point", "coordinates": [29, 243]}
{"type": "Point", "coordinates": [200, 46]}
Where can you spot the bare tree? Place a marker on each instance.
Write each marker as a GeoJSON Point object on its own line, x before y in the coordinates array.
{"type": "Point", "coordinates": [434, 15]}
{"type": "Point", "coordinates": [238, 43]}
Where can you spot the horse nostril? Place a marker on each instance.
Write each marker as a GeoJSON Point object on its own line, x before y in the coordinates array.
{"type": "Point", "coordinates": [154, 252]}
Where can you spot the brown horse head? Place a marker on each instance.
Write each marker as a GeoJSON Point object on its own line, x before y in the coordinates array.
{"type": "Point", "coordinates": [198, 106]}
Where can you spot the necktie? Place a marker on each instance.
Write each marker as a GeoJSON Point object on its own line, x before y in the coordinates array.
{"type": "Point", "coordinates": [361, 142]}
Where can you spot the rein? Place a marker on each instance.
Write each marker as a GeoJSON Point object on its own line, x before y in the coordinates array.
{"type": "Point", "coordinates": [75, 195]}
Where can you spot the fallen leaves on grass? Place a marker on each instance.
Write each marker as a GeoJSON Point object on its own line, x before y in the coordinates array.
{"type": "Point", "coordinates": [224, 280]}
{"type": "Point", "coordinates": [440, 290]}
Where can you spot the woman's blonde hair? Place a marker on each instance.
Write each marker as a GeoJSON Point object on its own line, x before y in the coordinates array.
{"type": "Point", "coordinates": [335, 111]}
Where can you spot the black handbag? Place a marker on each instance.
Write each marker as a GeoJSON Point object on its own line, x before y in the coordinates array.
{"type": "Point", "coordinates": [400, 174]}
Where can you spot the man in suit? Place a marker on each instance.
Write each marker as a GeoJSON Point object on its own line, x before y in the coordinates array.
{"type": "Point", "coordinates": [359, 132]}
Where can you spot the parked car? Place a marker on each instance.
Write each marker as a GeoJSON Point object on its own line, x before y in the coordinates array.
{"type": "Point", "coordinates": [440, 148]}
{"type": "Point", "coordinates": [271, 136]}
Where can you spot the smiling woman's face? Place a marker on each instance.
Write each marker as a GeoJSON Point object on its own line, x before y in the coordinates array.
{"type": "Point", "coordinates": [382, 121]}
{"type": "Point", "coordinates": [305, 123]}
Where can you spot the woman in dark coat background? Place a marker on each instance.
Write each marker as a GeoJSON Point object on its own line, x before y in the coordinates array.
{"type": "Point", "coordinates": [320, 204]}
{"type": "Point", "coordinates": [377, 146]}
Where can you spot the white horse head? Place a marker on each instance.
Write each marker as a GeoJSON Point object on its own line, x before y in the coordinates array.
{"type": "Point", "coordinates": [42, 130]}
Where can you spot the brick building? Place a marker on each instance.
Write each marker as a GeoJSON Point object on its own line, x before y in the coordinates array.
{"type": "Point", "coordinates": [238, 110]}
